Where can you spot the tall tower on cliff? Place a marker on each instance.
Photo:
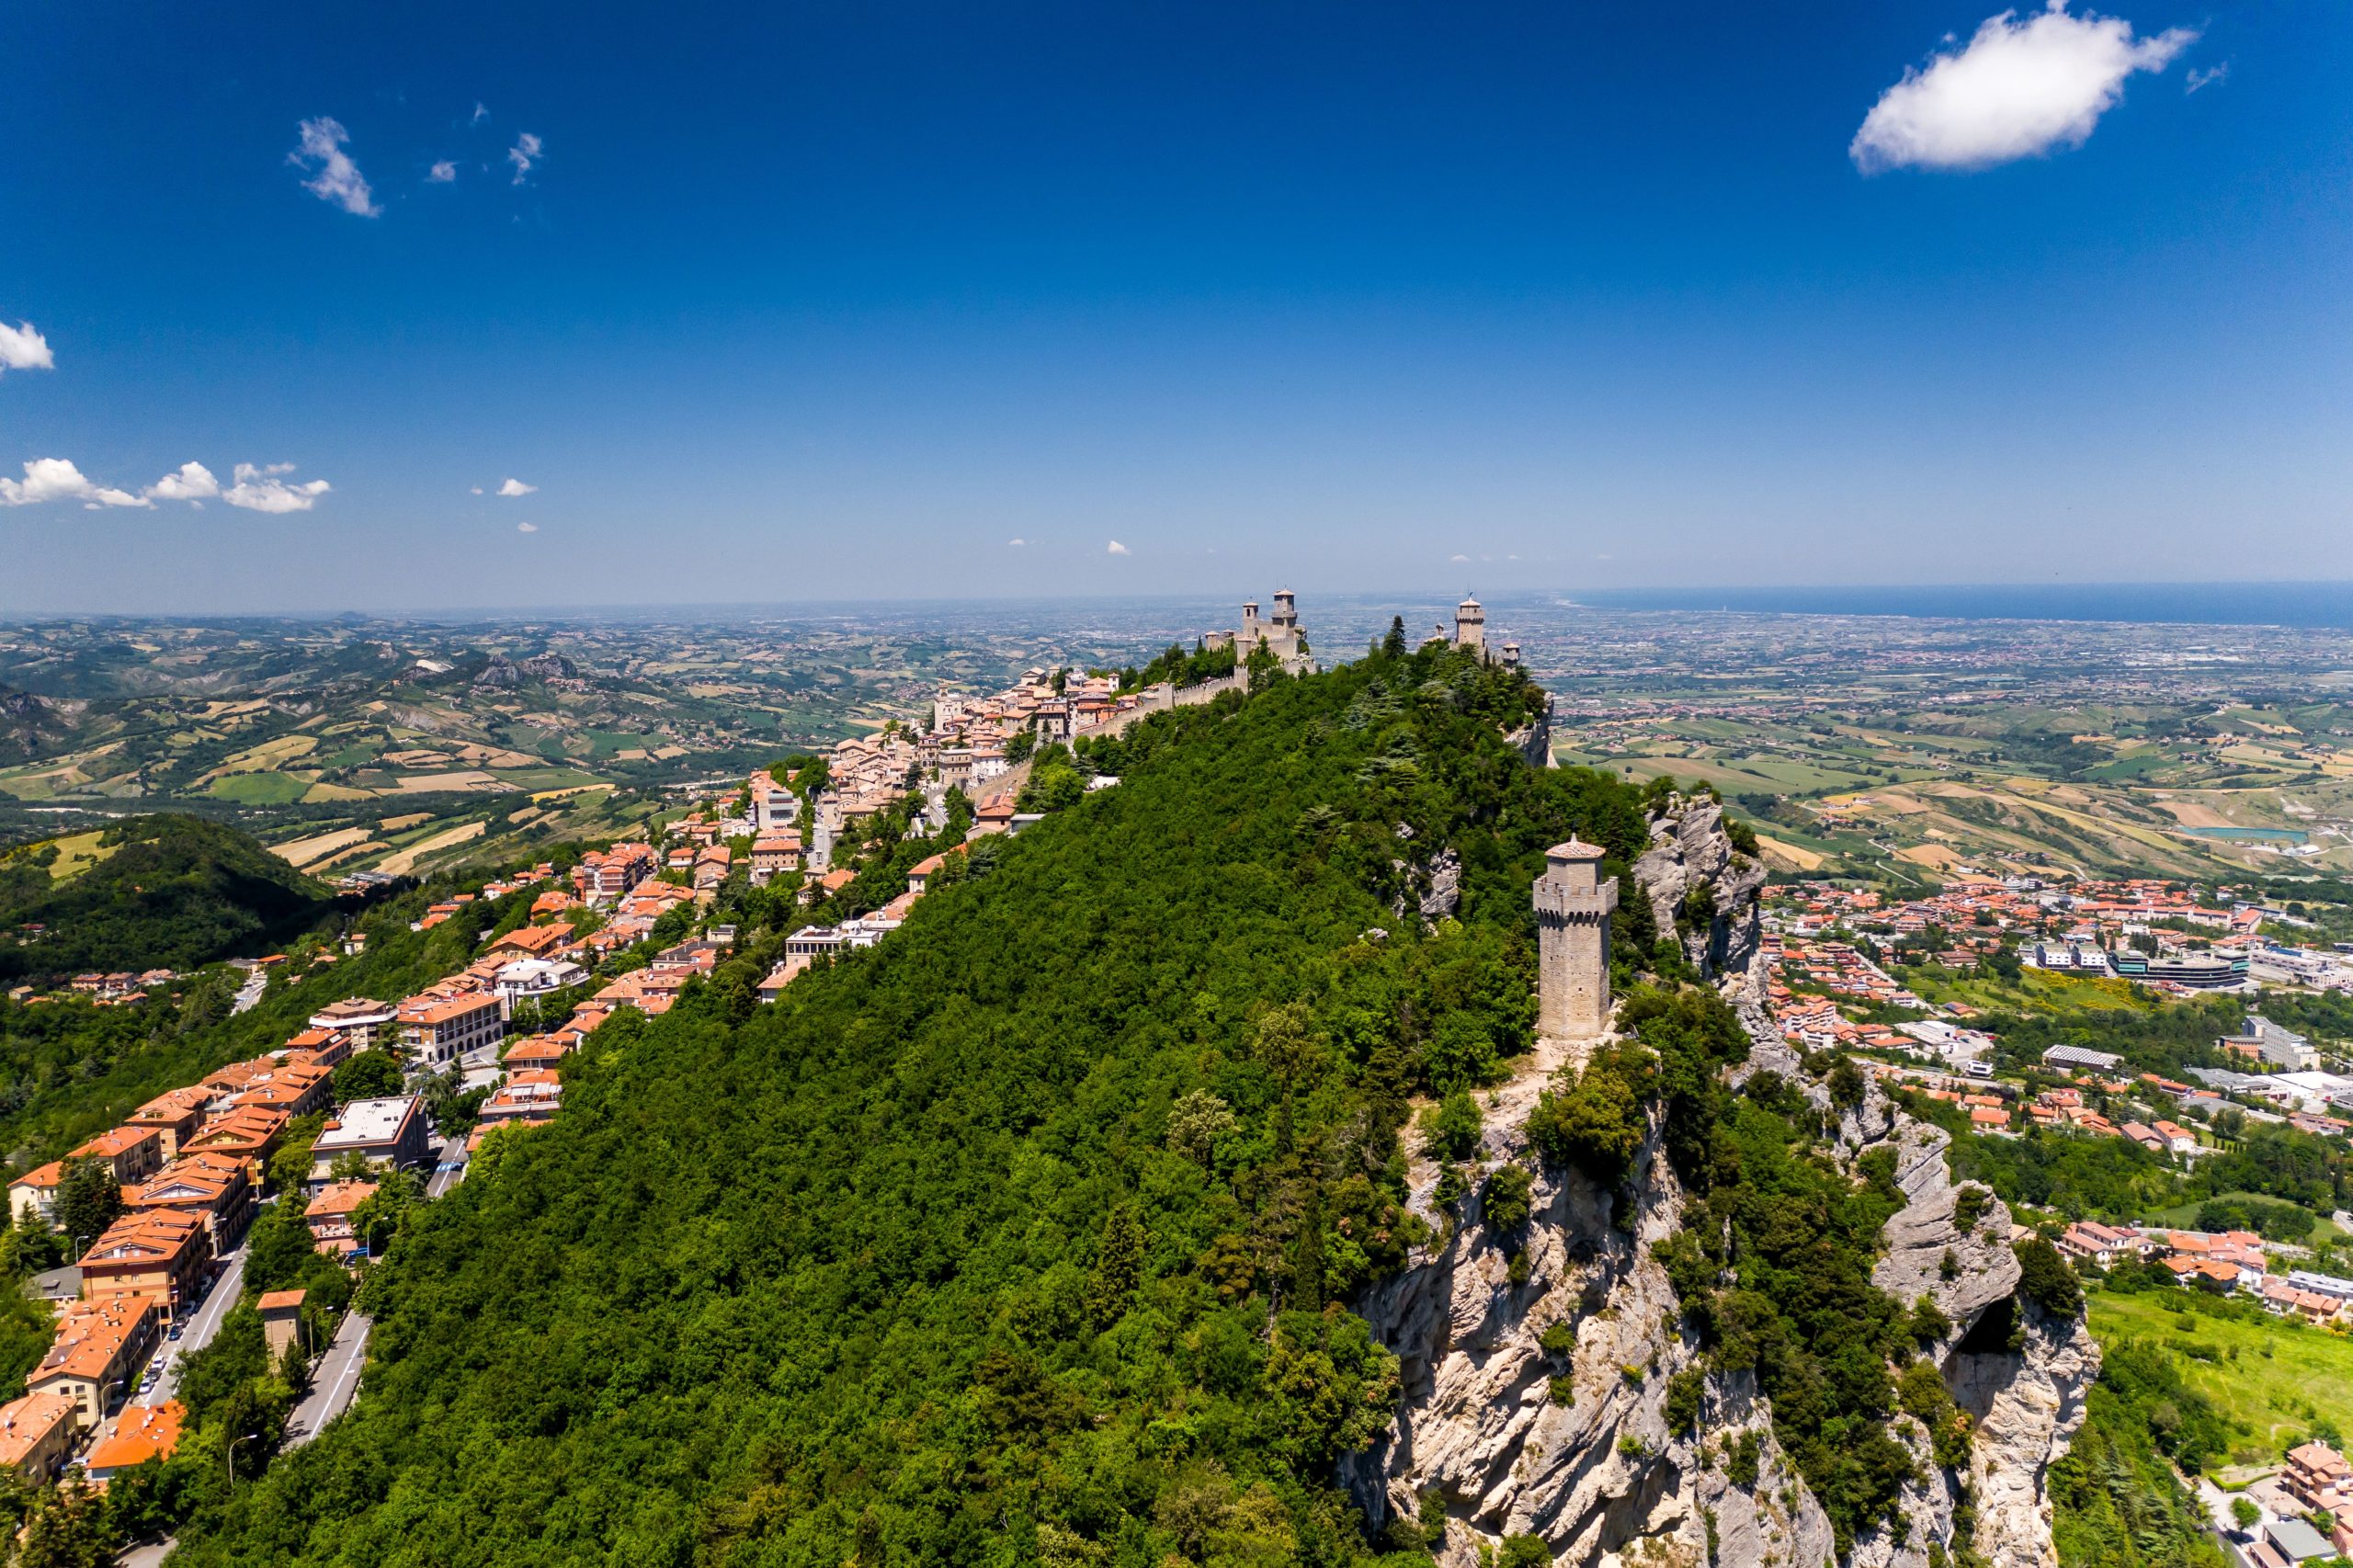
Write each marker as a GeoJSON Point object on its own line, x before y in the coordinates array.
{"type": "Point", "coordinates": [1573, 905]}
{"type": "Point", "coordinates": [1471, 626]}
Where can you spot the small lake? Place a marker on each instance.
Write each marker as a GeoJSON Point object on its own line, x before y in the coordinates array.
{"type": "Point", "coordinates": [2264, 834]}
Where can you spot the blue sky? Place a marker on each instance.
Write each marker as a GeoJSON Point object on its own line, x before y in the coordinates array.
{"type": "Point", "coordinates": [840, 301]}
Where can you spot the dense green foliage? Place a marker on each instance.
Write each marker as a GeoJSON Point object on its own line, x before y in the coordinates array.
{"type": "Point", "coordinates": [2116, 1500]}
{"type": "Point", "coordinates": [178, 891]}
{"type": "Point", "coordinates": [1024, 1236]}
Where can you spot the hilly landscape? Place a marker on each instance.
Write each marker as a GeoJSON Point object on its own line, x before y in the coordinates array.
{"type": "Point", "coordinates": [161, 892]}
{"type": "Point", "coordinates": [1047, 1230]}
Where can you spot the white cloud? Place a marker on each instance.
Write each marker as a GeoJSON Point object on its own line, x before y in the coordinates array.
{"type": "Point", "coordinates": [2017, 89]}
{"type": "Point", "coordinates": [1455, 558]}
{"type": "Point", "coordinates": [482, 112]}
{"type": "Point", "coordinates": [55, 479]}
{"type": "Point", "coordinates": [192, 482]}
{"type": "Point", "coordinates": [514, 488]}
{"type": "Point", "coordinates": [22, 347]}
{"type": "Point", "coordinates": [337, 179]}
{"type": "Point", "coordinates": [477, 489]}
{"type": "Point", "coordinates": [523, 154]}
{"type": "Point", "coordinates": [1119, 549]}
{"type": "Point", "coordinates": [260, 489]}
{"type": "Point", "coordinates": [2214, 77]}
{"type": "Point", "coordinates": [526, 527]}
{"type": "Point", "coordinates": [442, 173]}
{"type": "Point", "coordinates": [1016, 543]}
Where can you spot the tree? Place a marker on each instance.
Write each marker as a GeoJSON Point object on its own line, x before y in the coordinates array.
{"type": "Point", "coordinates": [278, 1247]}
{"type": "Point", "coordinates": [2244, 1511]}
{"type": "Point", "coordinates": [1456, 1127]}
{"type": "Point", "coordinates": [89, 1201]}
{"type": "Point", "coordinates": [69, 1529]}
{"type": "Point", "coordinates": [1392, 644]}
{"type": "Point", "coordinates": [1018, 748]}
{"type": "Point", "coordinates": [1119, 1267]}
{"type": "Point", "coordinates": [291, 1167]}
{"type": "Point", "coordinates": [371, 1074]}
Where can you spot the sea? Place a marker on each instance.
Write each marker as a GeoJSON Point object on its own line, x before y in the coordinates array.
{"type": "Point", "coordinates": [2320, 605]}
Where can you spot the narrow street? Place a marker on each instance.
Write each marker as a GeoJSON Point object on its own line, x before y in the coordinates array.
{"type": "Point", "coordinates": [201, 1326]}
{"type": "Point", "coordinates": [334, 1383]}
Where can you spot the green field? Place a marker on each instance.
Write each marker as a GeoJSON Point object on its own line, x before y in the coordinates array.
{"type": "Point", "coordinates": [2186, 1216]}
{"type": "Point", "coordinates": [2270, 1378]}
{"type": "Point", "coordinates": [2034, 991]}
{"type": "Point", "coordinates": [259, 788]}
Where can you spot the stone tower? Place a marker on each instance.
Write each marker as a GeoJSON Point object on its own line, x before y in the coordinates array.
{"type": "Point", "coordinates": [1285, 638]}
{"type": "Point", "coordinates": [1572, 907]}
{"type": "Point", "coordinates": [1471, 626]}
{"type": "Point", "coordinates": [1253, 629]}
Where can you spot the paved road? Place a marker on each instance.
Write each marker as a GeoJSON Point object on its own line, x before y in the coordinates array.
{"type": "Point", "coordinates": [251, 991]}
{"type": "Point", "coordinates": [453, 1154]}
{"type": "Point", "coordinates": [332, 1385]}
{"type": "Point", "coordinates": [202, 1328]}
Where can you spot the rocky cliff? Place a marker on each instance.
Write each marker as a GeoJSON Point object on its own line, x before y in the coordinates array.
{"type": "Point", "coordinates": [1699, 887]}
{"type": "Point", "coordinates": [1536, 1360]}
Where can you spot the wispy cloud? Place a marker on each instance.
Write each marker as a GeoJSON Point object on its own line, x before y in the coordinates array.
{"type": "Point", "coordinates": [2019, 88]}
{"type": "Point", "coordinates": [442, 173]}
{"type": "Point", "coordinates": [514, 488]}
{"type": "Point", "coordinates": [526, 527]}
{"type": "Point", "coordinates": [56, 478]}
{"type": "Point", "coordinates": [264, 489]}
{"type": "Point", "coordinates": [333, 177]}
{"type": "Point", "coordinates": [22, 347]}
{"type": "Point", "coordinates": [1457, 559]}
{"type": "Point", "coordinates": [2214, 77]}
{"type": "Point", "coordinates": [1119, 549]}
{"type": "Point", "coordinates": [524, 154]}
{"type": "Point", "coordinates": [1016, 543]}
{"type": "Point", "coordinates": [482, 112]}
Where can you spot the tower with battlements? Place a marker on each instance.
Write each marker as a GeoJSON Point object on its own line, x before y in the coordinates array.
{"type": "Point", "coordinates": [1471, 626]}
{"type": "Point", "coordinates": [1573, 905]}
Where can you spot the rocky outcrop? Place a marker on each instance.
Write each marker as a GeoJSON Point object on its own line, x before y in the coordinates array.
{"type": "Point", "coordinates": [2027, 1403]}
{"type": "Point", "coordinates": [548, 666]}
{"type": "Point", "coordinates": [1533, 740]}
{"type": "Point", "coordinates": [1535, 1363]}
{"type": "Point", "coordinates": [1701, 889]}
{"type": "Point", "coordinates": [1569, 1444]}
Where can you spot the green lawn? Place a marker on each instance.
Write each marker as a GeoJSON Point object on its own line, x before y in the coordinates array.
{"type": "Point", "coordinates": [259, 788]}
{"type": "Point", "coordinates": [2035, 991]}
{"type": "Point", "coordinates": [2271, 1379]}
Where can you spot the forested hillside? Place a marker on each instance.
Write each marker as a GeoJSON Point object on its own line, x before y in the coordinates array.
{"type": "Point", "coordinates": [1024, 1237]}
{"type": "Point", "coordinates": [163, 892]}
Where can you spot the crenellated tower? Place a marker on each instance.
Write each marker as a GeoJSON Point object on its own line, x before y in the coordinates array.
{"type": "Point", "coordinates": [1573, 905]}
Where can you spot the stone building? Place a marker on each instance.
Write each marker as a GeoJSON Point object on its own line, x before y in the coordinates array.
{"type": "Point", "coordinates": [1471, 625]}
{"type": "Point", "coordinates": [1573, 905]}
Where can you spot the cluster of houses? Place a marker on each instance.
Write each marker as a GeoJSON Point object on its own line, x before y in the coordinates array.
{"type": "Point", "coordinates": [191, 1164]}
{"type": "Point", "coordinates": [2223, 1261]}
{"type": "Point", "coordinates": [2158, 933]}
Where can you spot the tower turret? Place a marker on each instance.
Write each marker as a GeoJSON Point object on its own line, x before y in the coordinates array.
{"type": "Point", "coordinates": [1572, 907]}
{"type": "Point", "coordinates": [1471, 625]}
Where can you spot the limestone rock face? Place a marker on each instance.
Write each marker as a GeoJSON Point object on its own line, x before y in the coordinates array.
{"type": "Point", "coordinates": [1983, 1269]}
{"type": "Point", "coordinates": [1689, 850]}
{"type": "Point", "coordinates": [1571, 1444]}
{"type": "Point", "coordinates": [1533, 740]}
{"type": "Point", "coordinates": [1443, 893]}
{"type": "Point", "coordinates": [2028, 1404]}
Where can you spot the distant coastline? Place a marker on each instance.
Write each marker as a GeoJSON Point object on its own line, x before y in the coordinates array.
{"type": "Point", "coordinates": [2319, 605]}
